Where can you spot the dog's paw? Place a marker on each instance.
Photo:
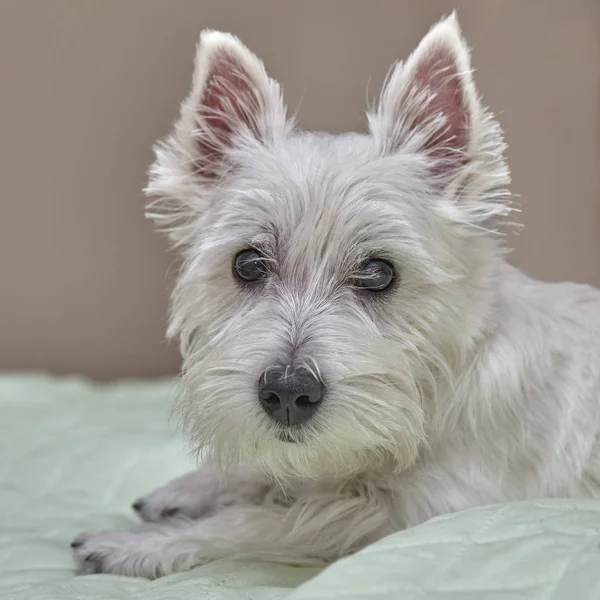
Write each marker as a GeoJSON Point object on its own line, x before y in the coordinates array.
{"type": "Point", "coordinates": [200, 494]}
{"type": "Point", "coordinates": [144, 553]}
{"type": "Point", "coordinates": [117, 552]}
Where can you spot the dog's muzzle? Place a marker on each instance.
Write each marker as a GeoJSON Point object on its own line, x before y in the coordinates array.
{"type": "Point", "coordinates": [289, 396]}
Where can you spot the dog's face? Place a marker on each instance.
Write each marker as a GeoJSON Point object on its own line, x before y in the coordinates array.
{"type": "Point", "coordinates": [332, 285]}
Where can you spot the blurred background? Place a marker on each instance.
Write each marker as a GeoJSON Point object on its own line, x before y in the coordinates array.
{"type": "Point", "coordinates": [87, 86]}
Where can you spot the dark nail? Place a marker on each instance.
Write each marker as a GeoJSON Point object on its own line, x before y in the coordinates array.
{"type": "Point", "coordinates": [168, 512]}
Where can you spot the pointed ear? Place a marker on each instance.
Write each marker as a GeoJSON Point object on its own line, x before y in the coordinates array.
{"type": "Point", "coordinates": [232, 101]}
{"type": "Point", "coordinates": [430, 104]}
{"type": "Point", "coordinates": [233, 106]}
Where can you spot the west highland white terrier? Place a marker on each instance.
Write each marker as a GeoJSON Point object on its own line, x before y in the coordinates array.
{"type": "Point", "coordinates": [358, 356]}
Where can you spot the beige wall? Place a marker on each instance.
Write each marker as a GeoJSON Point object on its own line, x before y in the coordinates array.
{"type": "Point", "coordinates": [88, 85]}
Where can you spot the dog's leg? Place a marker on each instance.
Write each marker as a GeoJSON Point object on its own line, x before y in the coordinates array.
{"type": "Point", "coordinates": [314, 529]}
{"type": "Point", "coordinates": [202, 493]}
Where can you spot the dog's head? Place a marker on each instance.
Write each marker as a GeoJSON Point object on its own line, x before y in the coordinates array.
{"type": "Point", "coordinates": [331, 285]}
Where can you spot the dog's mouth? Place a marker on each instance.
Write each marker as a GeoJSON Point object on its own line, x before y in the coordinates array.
{"type": "Point", "coordinates": [287, 436]}
{"type": "Point", "coordinates": [294, 434]}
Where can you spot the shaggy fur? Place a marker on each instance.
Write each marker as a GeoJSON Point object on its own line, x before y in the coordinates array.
{"type": "Point", "coordinates": [465, 383]}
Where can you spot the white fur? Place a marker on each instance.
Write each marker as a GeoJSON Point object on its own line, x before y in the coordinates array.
{"type": "Point", "coordinates": [467, 383]}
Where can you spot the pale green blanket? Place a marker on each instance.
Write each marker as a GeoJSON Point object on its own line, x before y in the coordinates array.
{"type": "Point", "coordinates": [74, 455]}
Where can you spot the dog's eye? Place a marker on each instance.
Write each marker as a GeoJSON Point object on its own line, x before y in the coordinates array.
{"type": "Point", "coordinates": [249, 265]}
{"type": "Point", "coordinates": [377, 275]}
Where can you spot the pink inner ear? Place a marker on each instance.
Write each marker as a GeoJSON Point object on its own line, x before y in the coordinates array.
{"type": "Point", "coordinates": [438, 72]}
{"type": "Point", "coordinates": [229, 103]}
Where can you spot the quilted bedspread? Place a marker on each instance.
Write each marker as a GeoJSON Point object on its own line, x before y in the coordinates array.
{"type": "Point", "coordinates": [73, 455]}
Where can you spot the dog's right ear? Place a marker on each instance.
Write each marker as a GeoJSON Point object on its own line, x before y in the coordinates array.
{"type": "Point", "coordinates": [233, 106]}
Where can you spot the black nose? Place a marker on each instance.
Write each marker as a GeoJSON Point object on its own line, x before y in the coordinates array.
{"type": "Point", "coordinates": [289, 396]}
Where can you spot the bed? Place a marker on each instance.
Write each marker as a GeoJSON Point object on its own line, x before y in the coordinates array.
{"type": "Point", "coordinates": [74, 454]}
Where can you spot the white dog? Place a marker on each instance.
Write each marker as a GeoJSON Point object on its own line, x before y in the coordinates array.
{"type": "Point", "coordinates": [358, 355]}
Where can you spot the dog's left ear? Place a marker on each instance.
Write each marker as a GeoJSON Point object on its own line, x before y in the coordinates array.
{"type": "Point", "coordinates": [429, 104]}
